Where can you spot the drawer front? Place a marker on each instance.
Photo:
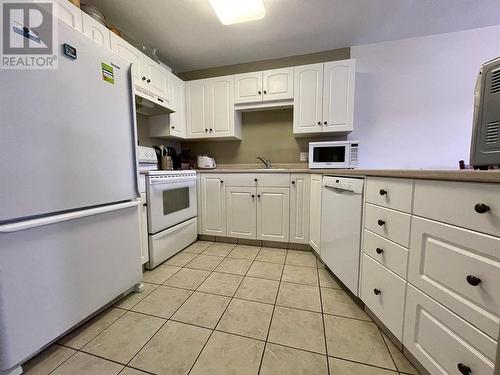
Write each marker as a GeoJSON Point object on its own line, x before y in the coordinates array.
{"type": "Point", "coordinates": [456, 203]}
{"type": "Point", "coordinates": [383, 292]}
{"type": "Point", "coordinates": [443, 263]}
{"type": "Point", "coordinates": [388, 253]}
{"type": "Point", "coordinates": [396, 193]}
{"type": "Point", "coordinates": [441, 341]}
{"type": "Point", "coordinates": [388, 223]}
{"type": "Point", "coordinates": [258, 179]}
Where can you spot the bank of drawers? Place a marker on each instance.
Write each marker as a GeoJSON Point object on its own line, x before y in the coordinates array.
{"type": "Point", "coordinates": [438, 242]}
{"type": "Point", "coordinates": [258, 179]}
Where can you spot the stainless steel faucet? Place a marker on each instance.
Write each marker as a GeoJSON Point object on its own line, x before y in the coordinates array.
{"type": "Point", "coordinates": [266, 162]}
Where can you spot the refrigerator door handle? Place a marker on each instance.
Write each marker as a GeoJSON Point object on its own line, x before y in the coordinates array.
{"type": "Point", "coordinates": [34, 223]}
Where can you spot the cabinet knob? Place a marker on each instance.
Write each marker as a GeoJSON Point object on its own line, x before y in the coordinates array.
{"type": "Point", "coordinates": [206, 130]}
{"type": "Point", "coordinates": [319, 122]}
{"type": "Point", "coordinates": [379, 250]}
{"type": "Point", "coordinates": [481, 208]}
{"type": "Point", "coordinates": [464, 369]}
{"type": "Point", "coordinates": [143, 78]}
{"type": "Point", "coordinates": [148, 80]}
{"type": "Point", "coordinates": [221, 181]}
{"type": "Point", "coordinates": [382, 192]}
{"type": "Point", "coordinates": [293, 182]}
{"type": "Point", "coordinates": [325, 123]}
{"type": "Point", "coordinates": [380, 222]}
{"type": "Point", "coordinates": [265, 92]}
{"type": "Point", "coordinates": [253, 196]}
{"type": "Point", "coordinates": [377, 291]}
{"type": "Point", "coordinates": [173, 127]}
{"type": "Point", "coordinates": [211, 129]}
{"type": "Point", "coordinates": [258, 92]}
{"type": "Point", "coordinates": [258, 195]}
{"type": "Point", "coordinates": [473, 280]}
{"type": "Point", "coordinates": [255, 179]}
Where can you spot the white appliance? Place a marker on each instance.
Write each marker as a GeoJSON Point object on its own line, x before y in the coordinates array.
{"type": "Point", "coordinates": [172, 213]}
{"type": "Point", "coordinates": [69, 223]}
{"type": "Point", "coordinates": [340, 154]}
{"type": "Point", "coordinates": [341, 212]}
{"type": "Point", "coordinates": [146, 157]}
{"type": "Point", "coordinates": [205, 162]}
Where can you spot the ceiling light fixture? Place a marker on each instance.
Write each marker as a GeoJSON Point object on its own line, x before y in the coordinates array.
{"type": "Point", "coordinates": [238, 11]}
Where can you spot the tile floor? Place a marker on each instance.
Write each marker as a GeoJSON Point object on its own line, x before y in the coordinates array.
{"type": "Point", "coordinates": [218, 308]}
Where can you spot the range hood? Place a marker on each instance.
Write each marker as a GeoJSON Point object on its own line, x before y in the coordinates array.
{"type": "Point", "coordinates": [149, 104]}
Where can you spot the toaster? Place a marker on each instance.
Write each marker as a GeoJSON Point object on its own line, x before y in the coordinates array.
{"type": "Point", "coordinates": [205, 162]}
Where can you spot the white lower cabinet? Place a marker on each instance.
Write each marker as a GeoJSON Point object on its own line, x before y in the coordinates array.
{"type": "Point", "coordinates": [143, 222]}
{"type": "Point", "coordinates": [213, 205]}
{"type": "Point", "coordinates": [241, 212]}
{"type": "Point", "coordinates": [383, 292]}
{"type": "Point", "coordinates": [273, 214]}
{"type": "Point", "coordinates": [299, 208]}
{"type": "Point", "coordinates": [442, 342]}
{"type": "Point", "coordinates": [315, 212]}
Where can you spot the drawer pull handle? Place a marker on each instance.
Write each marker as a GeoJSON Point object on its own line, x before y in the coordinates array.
{"type": "Point", "coordinates": [380, 222]}
{"type": "Point", "coordinates": [377, 291]}
{"type": "Point", "coordinates": [481, 208]}
{"type": "Point", "coordinates": [383, 192]}
{"type": "Point", "coordinates": [473, 280]}
{"type": "Point", "coordinates": [464, 369]}
{"type": "Point", "coordinates": [379, 250]}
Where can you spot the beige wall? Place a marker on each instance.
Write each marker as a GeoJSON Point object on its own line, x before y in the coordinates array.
{"type": "Point", "coordinates": [267, 133]}
{"type": "Point", "coordinates": [264, 133]}
{"type": "Point", "coordinates": [312, 58]}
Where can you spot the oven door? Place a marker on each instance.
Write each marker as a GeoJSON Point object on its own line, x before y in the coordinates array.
{"type": "Point", "coordinates": [170, 203]}
{"type": "Point", "coordinates": [329, 156]}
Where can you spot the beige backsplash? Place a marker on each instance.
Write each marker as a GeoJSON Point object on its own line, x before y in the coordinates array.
{"type": "Point", "coordinates": [264, 133]}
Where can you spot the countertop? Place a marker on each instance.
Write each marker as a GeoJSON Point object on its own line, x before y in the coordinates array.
{"type": "Point", "coordinates": [427, 174]}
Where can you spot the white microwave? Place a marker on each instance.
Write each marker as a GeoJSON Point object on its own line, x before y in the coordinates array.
{"type": "Point", "coordinates": [343, 154]}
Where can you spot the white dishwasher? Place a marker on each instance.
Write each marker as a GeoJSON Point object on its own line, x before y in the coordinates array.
{"type": "Point", "coordinates": [341, 211]}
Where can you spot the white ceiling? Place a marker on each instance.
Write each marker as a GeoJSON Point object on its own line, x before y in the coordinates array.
{"type": "Point", "coordinates": [189, 35]}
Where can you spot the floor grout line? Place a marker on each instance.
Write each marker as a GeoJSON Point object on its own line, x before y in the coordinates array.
{"type": "Point", "coordinates": [324, 326]}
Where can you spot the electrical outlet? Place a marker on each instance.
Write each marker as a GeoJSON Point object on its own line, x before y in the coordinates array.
{"type": "Point", "coordinates": [303, 156]}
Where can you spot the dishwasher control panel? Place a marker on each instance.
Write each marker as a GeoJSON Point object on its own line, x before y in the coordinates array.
{"type": "Point", "coordinates": [344, 183]}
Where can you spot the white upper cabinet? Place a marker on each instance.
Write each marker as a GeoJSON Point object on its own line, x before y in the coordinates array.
{"type": "Point", "coordinates": [308, 99]}
{"type": "Point", "coordinates": [129, 53]}
{"type": "Point", "coordinates": [197, 108]}
{"type": "Point", "coordinates": [156, 77]}
{"type": "Point", "coordinates": [222, 123]}
{"type": "Point", "coordinates": [324, 97]}
{"type": "Point", "coordinates": [277, 84]}
{"type": "Point", "coordinates": [338, 95]}
{"type": "Point", "coordinates": [269, 85]}
{"type": "Point", "coordinates": [70, 14]}
{"type": "Point", "coordinates": [248, 87]}
{"type": "Point", "coordinates": [96, 31]}
{"type": "Point", "coordinates": [210, 108]}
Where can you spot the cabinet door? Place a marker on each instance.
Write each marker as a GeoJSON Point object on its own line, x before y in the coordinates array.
{"type": "Point", "coordinates": [197, 106]}
{"type": "Point", "coordinates": [213, 214]}
{"type": "Point", "coordinates": [241, 212]}
{"type": "Point", "coordinates": [156, 77]}
{"type": "Point", "coordinates": [248, 87]}
{"type": "Point", "coordinates": [129, 53]}
{"type": "Point", "coordinates": [273, 214]}
{"type": "Point", "coordinates": [338, 95]}
{"type": "Point", "coordinates": [315, 213]}
{"type": "Point", "coordinates": [178, 97]}
{"type": "Point", "coordinates": [69, 14]}
{"type": "Point", "coordinates": [143, 229]}
{"type": "Point", "coordinates": [308, 99]}
{"type": "Point", "coordinates": [222, 114]}
{"type": "Point", "coordinates": [299, 208]}
{"type": "Point", "coordinates": [277, 84]}
{"type": "Point", "coordinates": [96, 31]}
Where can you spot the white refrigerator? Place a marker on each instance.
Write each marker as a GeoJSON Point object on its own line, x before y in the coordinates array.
{"type": "Point", "coordinates": [69, 223]}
